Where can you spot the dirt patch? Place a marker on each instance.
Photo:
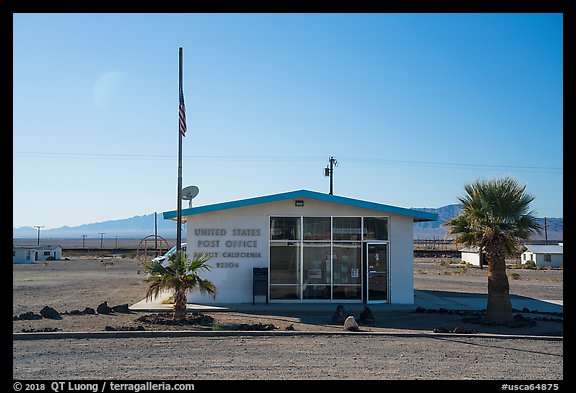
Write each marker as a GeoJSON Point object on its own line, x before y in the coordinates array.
{"type": "Point", "coordinates": [401, 352]}
{"type": "Point", "coordinates": [77, 287]}
{"type": "Point", "coordinates": [449, 274]}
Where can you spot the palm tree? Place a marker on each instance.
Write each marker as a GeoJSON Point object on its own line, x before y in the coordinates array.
{"type": "Point", "coordinates": [180, 276]}
{"type": "Point", "coordinates": [495, 215]}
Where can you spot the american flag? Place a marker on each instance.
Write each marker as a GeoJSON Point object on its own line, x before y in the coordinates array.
{"type": "Point", "coordinates": [182, 114]}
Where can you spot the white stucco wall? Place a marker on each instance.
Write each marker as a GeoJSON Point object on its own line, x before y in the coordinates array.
{"type": "Point", "coordinates": [557, 260]}
{"type": "Point", "coordinates": [471, 257]}
{"type": "Point", "coordinates": [31, 255]}
{"type": "Point", "coordinates": [232, 275]}
{"type": "Point", "coordinates": [23, 256]}
{"type": "Point", "coordinates": [245, 231]}
{"type": "Point", "coordinates": [401, 260]}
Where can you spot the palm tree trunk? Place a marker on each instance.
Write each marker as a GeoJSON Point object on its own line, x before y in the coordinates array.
{"type": "Point", "coordinates": [180, 305]}
{"type": "Point", "coordinates": [499, 308]}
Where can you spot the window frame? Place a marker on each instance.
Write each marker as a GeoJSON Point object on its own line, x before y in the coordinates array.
{"type": "Point", "coordinates": [361, 242]}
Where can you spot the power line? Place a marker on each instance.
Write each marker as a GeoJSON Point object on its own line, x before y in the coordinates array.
{"type": "Point", "coordinates": [37, 154]}
{"type": "Point", "coordinates": [358, 160]}
{"type": "Point", "coordinates": [379, 161]}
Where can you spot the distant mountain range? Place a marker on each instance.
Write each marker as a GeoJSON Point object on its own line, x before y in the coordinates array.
{"type": "Point", "coordinates": [140, 226]}
{"type": "Point", "coordinates": [133, 227]}
{"type": "Point", "coordinates": [435, 230]}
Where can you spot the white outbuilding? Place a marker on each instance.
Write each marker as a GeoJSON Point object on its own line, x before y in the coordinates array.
{"type": "Point", "coordinates": [36, 253]}
{"type": "Point", "coordinates": [544, 255]}
{"type": "Point", "coordinates": [304, 246]}
{"type": "Point", "coordinates": [471, 255]}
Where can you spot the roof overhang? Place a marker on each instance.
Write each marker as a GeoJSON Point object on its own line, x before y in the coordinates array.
{"type": "Point", "coordinates": [417, 215]}
{"type": "Point", "coordinates": [544, 249]}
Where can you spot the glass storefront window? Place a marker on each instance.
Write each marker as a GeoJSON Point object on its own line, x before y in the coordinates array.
{"type": "Point", "coordinates": [316, 228]}
{"type": "Point", "coordinates": [321, 258]}
{"type": "Point", "coordinates": [284, 292]}
{"type": "Point", "coordinates": [316, 292]}
{"type": "Point", "coordinates": [346, 228]}
{"type": "Point", "coordinates": [316, 264]}
{"type": "Point", "coordinates": [285, 228]}
{"type": "Point", "coordinates": [375, 228]}
{"type": "Point", "coordinates": [349, 292]}
{"type": "Point", "coordinates": [284, 262]}
{"type": "Point", "coordinates": [347, 259]}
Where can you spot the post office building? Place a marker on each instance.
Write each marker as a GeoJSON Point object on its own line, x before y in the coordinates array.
{"type": "Point", "coordinates": [313, 247]}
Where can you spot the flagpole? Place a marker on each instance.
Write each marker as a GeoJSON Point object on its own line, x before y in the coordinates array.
{"type": "Point", "coordinates": [179, 202]}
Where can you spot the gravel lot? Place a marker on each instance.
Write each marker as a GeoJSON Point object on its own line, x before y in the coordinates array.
{"type": "Point", "coordinates": [398, 346]}
{"type": "Point", "coordinates": [289, 358]}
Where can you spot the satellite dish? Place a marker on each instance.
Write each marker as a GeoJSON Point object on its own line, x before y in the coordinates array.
{"type": "Point", "coordinates": [189, 193]}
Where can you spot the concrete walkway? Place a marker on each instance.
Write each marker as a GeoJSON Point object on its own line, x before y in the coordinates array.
{"type": "Point", "coordinates": [422, 298]}
{"type": "Point", "coordinates": [473, 301]}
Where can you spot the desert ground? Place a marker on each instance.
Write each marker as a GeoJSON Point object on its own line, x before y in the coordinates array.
{"type": "Point", "coordinates": [398, 345]}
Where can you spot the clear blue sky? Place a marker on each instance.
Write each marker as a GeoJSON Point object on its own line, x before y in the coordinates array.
{"type": "Point", "coordinates": [413, 107]}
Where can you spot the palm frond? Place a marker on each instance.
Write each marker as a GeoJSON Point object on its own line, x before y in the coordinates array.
{"type": "Point", "coordinates": [180, 275]}
{"type": "Point", "coordinates": [496, 208]}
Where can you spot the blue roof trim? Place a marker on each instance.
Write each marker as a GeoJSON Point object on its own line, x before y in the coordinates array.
{"type": "Point", "coordinates": [417, 214]}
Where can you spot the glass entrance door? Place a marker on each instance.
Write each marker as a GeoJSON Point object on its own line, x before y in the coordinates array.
{"type": "Point", "coordinates": [377, 272]}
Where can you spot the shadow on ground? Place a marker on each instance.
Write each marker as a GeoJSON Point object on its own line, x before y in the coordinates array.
{"type": "Point", "coordinates": [397, 321]}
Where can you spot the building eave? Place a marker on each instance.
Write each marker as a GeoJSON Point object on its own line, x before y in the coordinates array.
{"type": "Point", "coordinates": [417, 215]}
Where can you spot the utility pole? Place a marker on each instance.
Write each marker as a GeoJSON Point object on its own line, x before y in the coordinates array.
{"type": "Point", "coordinates": [83, 239]}
{"type": "Point", "coordinates": [545, 231]}
{"type": "Point", "coordinates": [38, 227]}
{"type": "Point", "coordinates": [101, 238]}
{"type": "Point", "coordinates": [155, 230]}
{"type": "Point", "coordinates": [329, 171]}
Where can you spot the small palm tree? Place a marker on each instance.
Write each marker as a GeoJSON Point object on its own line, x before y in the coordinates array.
{"type": "Point", "coordinates": [495, 215]}
{"type": "Point", "coordinates": [180, 276]}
